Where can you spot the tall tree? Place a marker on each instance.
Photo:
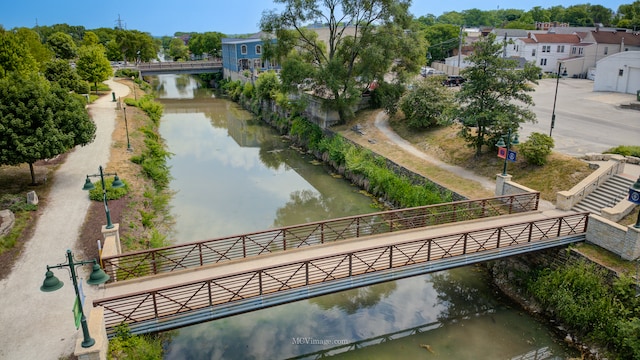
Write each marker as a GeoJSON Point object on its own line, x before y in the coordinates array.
{"type": "Point", "coordinates": [39, 120]}
{"type": "Point", "coordinates": [178, 50]}
{"type": "Point", "coordinates": [442, 39]}
{"type": "Point", "coordinates": [62, 45]}
{"type": "Point", "coordinates": [495, 97]}
{"type": "Point", "coordinates": [14, 55]}
{"type": "Point", "coordinates": [37, 49]}
{"type": "Point", "coordinates": [364, 38]}
{"type": "Point", "coordinates": [207, 43]}
{"type": "Point", "coordinates": [92, 64]}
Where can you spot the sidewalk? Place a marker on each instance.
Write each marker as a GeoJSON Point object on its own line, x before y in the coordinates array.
{"type": "Point", "coordinates": [38, 325]}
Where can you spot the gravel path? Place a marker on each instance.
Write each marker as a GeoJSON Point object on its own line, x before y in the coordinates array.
{"type": "Point", "coordinates": [38, 325]}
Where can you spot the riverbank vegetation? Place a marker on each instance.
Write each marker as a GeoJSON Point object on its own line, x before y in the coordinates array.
{"type": "Point", "coordinates": [582, 297]}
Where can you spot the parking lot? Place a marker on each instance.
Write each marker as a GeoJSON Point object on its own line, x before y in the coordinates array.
{"type": "Point", "coordinates": [586, 121]}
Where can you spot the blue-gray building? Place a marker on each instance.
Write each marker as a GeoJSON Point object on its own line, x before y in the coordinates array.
{"type": "Point", "coordinates": [243, 56]}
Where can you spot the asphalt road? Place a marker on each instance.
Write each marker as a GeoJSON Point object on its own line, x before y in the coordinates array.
{"type": "Point", "coordinates": [586, 121]}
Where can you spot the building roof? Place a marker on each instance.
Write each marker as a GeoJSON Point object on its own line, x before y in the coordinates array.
{"type": "Point", "coordinates": [510, 33]}
{"type": "Point", "coordinates": [556, 38]}
{"type": "Point", "coordinates": [616, 37]}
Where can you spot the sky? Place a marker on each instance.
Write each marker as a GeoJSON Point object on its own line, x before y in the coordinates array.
{"type": "Point", "coordinates": [162, 17]}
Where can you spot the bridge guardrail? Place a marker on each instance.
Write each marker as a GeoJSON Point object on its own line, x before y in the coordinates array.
{"type": "Point", "coordinates": [184, 256]}
{"type": "Point", "coordinates": [163, 305]}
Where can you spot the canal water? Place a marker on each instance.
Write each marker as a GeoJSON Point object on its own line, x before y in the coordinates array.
{"type": "Point", "coordinates": [233, 175]}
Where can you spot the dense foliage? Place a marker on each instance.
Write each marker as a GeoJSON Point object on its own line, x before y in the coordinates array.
{"type": "Point", "coordinates": [428, 104]}
{"type": "Point", "coordinates": [364, 39]}
{"type": "Point", "coordinates": [579, 296]}
{"type": "Point", "coordinates": [382, 181]}
{"type": "Point", "coordinates": [39, 120]}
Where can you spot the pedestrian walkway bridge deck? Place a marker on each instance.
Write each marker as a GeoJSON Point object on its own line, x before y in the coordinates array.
{"type": "Point", "coordinates": [181, 298]}
{"type": "Point", "coordinates": [184, 256]}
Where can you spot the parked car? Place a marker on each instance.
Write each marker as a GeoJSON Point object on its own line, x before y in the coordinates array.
{"type": "Point", "coordinates": [453, 80]}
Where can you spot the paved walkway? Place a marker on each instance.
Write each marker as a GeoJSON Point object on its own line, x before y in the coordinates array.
{"type": "Point", "coordinates": [38, 325]}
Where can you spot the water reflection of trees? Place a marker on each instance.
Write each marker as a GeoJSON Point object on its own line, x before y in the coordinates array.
{"type": "Point", "coordinates": [350, 301]}
{"type": "Point", "coordinates": [462, 293]}
{"type": "Point", "coordinates": [303, 207]}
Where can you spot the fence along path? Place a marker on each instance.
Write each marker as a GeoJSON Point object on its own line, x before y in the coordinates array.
{"type": "Point", "coordinates": [184, 256]}
{"type": "Point", "coordinates": [210, 292]}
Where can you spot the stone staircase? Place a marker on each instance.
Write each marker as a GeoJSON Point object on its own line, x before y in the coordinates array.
{"type": "Point", "coordinates": [608, 194]}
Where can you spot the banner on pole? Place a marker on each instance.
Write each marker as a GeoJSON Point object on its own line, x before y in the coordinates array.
{"type": "Point", "coordinates": [77, 312]}
{"type": "Point", "coordinates": [502, 153]}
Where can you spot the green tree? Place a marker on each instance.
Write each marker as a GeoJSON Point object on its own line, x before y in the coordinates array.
{"type": "Point", "coordinates": [451, 17]}
{"type": "Point", "coordinates": [39, 120]}
{"type": "Point", "coordinates": [62, 45]}
{"type": "Point", "coordinates": [14, 55]}
{"type": "Point", "coordinates": [92, 64]}
{"type": "Point", "coordinates": [207, 43]}
{"type": "Point", "coordinates": [37, 49]}
{"type": "Point", "coordinates": [90, 38]}
{"type": "Point", "coordinates": [495, 97]}
{"type": "Point", "coordinates": [267, 86]}
{"type": "Point", "coordinates": [178, 50]}
{"type": "Point", "coordinates": [442, 39]}
{"type": "Point", "coordinates": [59, 71]}
{"type": "Point", "coordinates": [364, 39]}
{"type": "Point", "coordinates": [428, 104]}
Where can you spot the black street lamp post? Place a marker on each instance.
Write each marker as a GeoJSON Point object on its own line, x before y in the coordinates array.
{"type": "Point", "coordinates": [88, 185]}
{"type": "Point", "coordinates": [555, 98]}
{"type": "Point", "coordinates": [97, 277]}
{"type": "Point", "coordinates": [126, 126]}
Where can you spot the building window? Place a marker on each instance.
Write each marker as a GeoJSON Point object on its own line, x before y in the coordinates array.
{"type": "Point", "coordinates": [620, 72]}
{"type": "Point", "coordinates": [573, 50]}
{"type": "Point", "coordinates": [560, 48]}
{"type": "Point", "coordinates": [243, 49]}
{"type": "Point", "coordinates": [533, 52]}
{"type": "Point", "coordinates": [258, 49]}
{"type": "Point", "coordinates": [606, 50]}
{"type": "Point", "coordinates": [580, 50]}
{"type": "Point", "coordinates": [546, 48]}
{"type": "Point", "coordinates": [543, 62]}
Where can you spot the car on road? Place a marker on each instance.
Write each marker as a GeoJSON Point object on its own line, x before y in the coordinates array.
{"type": "Point", "coordinates": [453, 80]}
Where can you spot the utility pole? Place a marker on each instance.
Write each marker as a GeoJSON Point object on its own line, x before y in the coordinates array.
{"type": "Point", "coordinates": [460, 48]}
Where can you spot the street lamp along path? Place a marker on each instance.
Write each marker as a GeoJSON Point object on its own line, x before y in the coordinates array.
{"type": "Point", "coordinates": [117, 183]}
{"type": "Point", "coordinates": [97, 277]}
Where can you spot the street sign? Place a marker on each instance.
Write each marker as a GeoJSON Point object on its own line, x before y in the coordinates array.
{"type": "Point", "coordinates": [634, 196]}
{"type": "Point", "coordinates": [511, 156]}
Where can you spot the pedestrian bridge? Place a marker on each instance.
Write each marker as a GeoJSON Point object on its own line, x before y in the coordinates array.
{"type": "Point", "coordinates": [178, 67]}
{"type": "Point", "coordinates": [233, 285]}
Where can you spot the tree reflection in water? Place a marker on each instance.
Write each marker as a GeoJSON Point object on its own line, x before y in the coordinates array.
{"type": "Point", "coordinates": [350, 301]}
{"type": "Point", "coordinates": [462, 295]}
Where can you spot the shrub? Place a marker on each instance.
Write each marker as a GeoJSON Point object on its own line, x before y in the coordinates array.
{"type": "Point", "coordinates": [112, 193]}
{"type": "Point", "coordinates": [127, 346]}
{"type": "Point", "coordinates": [625, 150]}
{"type": "Point", "coordinates": [386, 96]}
{"type": "Point", "coordinates": [248, 90]}
{"type": "Point", "coordinates": [537, 148]}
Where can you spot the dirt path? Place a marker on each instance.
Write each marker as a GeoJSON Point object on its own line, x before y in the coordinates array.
{"type": "Point", "coordinates": [38, 325]}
